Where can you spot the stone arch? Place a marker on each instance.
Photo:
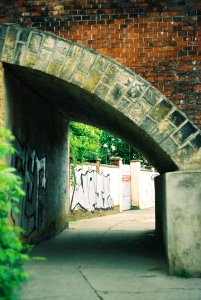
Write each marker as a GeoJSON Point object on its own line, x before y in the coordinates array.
{"type": "Point", "coordinates": [49, 81]}
{"type": "Point", "coordinates": [101, 88]}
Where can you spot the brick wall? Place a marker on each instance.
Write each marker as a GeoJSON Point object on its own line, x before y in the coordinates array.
{"type": "Point", "coordinates": [159, 40]}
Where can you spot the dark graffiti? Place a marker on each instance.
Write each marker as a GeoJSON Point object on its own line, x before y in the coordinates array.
{"type": "Point", "coordinates": [33, 173]}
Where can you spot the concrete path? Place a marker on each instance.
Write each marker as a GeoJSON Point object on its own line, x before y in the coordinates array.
{"type": "Point", "coordinates": [113, 257]}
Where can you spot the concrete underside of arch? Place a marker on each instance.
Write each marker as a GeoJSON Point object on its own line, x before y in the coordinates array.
{"type": "Point", "coordinates": [38, 105]}
{"type": "Point", "coordinates": [41, 159]}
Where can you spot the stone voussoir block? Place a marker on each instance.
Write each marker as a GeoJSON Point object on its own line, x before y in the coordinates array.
{"type": "Point", "coordinates": [11, 37]}
{"type": "Point", "coordinates": [163, 131]}
{"type": "Point", "coordinates": [169, 145]}
{"type": "Point", "coordinates": [72, 61]}
{"type": "Point", "coordinates": [75, 51]}
{"type": "Point", "coordinates": [68, 68]}
{"type": "Point", "coordinates": [1, 46]}
{"type": "Point", "coordinates": [49, 42]}
{"type": "Point", "coordinates": [115, 93]}
{"type": "Point", "coordinates": [29, 60]}
{"type": "Point", "coordinates": [44, 59]}
{"type": "Point", "coordinates": [148, 124]}
{"type": "Point", "coordinates": [24, 35]}
{"type": "Point", "coordinates": [138, 110]}
{"type": "Point", "coordinates": [92, 80]}
{"type": "Point", "coordinates": [61, 51]}
{"type": "Point", "coordinates": [78, 78]}
{"type": "Point", "coordinates": [9, 45]}
{"type": "Point", "coordinates": [35, 42]}
{"type": "Point", "coordinates": [111, 74]}
{"type": "Point", "coordinates": [54, 68]}
{"type": "Point", "coordinates": [123, 104]}
{"type": "Point", "coordinates": [101, 90]}
{"type": "Point", "coordinates": [125, 78]}
{"type": "Point", "coordinates": [20, 50]}
{"type": "Point", "coordinates": [184, 133]}
{"type": "Point", "coordinates": [177, 118]}
{"type": "Point", "coordinates": [152, 95]}
{"type": "Point", "coordinates": [196, 141]}
{"type": "Point", "coordinates": [184, 153]}
{"type": "Point", "coordinates": [3, 30]}
{"type": "Point", "coordinates": [86, 62]}
{"type": "Point", "coordinates": [161, 110]}
{"type": "Point", "coordinates": [136, 90]}
{"type": "Point", "coordinates": [101, 63]}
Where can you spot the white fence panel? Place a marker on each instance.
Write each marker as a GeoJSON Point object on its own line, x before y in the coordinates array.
{"type": "Point", "coordinates": [91, 190]}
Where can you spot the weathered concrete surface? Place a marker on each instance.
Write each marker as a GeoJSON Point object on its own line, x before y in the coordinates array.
{"type": "Point", "coordinates": [41, 159]}
{"type": "Point", "coordinates": [112, 258]}
{"type": "Point", "coordinates": [181, 192]}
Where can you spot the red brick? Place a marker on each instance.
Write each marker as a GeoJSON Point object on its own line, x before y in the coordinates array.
{"type": "Point", "coordinates": [160, 44]}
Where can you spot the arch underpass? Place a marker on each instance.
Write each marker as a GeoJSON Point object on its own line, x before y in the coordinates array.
{"type": "Point", "coordinates": [47, 82]}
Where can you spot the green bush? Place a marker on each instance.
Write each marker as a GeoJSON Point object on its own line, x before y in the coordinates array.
{"type": "Point", "coordinates": [12, 251]}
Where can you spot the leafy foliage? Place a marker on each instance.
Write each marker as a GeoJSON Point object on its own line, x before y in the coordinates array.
{"type": "Point", "coordinates": [87, 143]}
{"type": "Point", "coordinates": [12, 256]}
{"type": "Point", "coordinates": [84, 142]}
{"type": "Point", "coordinates": [113, 146]}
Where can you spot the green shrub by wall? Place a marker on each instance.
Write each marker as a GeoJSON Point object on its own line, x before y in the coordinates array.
{"type": "Point", "coordinates": [12, 256]}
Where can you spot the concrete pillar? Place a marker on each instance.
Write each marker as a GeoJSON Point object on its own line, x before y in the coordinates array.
{"type": "Point", "coordinates": [116, 161]}
{"type": "Point", "coordinates": [135, 182]}
{"type": "Point", "coordinates": [180, 220]}
{"type": "Point", "coordinates": [98, 161]}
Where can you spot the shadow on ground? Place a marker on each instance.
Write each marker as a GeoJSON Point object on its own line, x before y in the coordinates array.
{"type": "Point", "coordinates": [107, 262]}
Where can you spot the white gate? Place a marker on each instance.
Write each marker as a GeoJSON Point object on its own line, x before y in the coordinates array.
{"type": "Point", "coordinates": [126, 187]}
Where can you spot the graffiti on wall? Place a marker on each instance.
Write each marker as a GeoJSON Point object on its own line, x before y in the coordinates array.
{"type": "Point", "coordinates": [91, 191]}
{"type": "Point", "coordinates": [32, 170]}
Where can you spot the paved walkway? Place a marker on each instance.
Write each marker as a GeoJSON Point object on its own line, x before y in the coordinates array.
{"type": "Point", "coordinates": [112, 257]}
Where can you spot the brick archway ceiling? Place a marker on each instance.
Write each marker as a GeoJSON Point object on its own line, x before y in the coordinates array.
{"type": "Point", "coordinates": [84, 85]}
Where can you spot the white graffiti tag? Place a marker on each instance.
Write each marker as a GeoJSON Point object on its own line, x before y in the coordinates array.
{"type": "Point", "coordinates": [91, 192]}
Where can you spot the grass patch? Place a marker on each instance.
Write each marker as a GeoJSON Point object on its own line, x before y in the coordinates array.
{"type": "Point", "coordinates": [80, 214]}
{"type": "Point", "coordinates": [133, 207]}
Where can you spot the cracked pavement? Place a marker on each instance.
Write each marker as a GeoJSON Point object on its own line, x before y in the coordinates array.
{"type": "Point", "coordinates": [112, 257]}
